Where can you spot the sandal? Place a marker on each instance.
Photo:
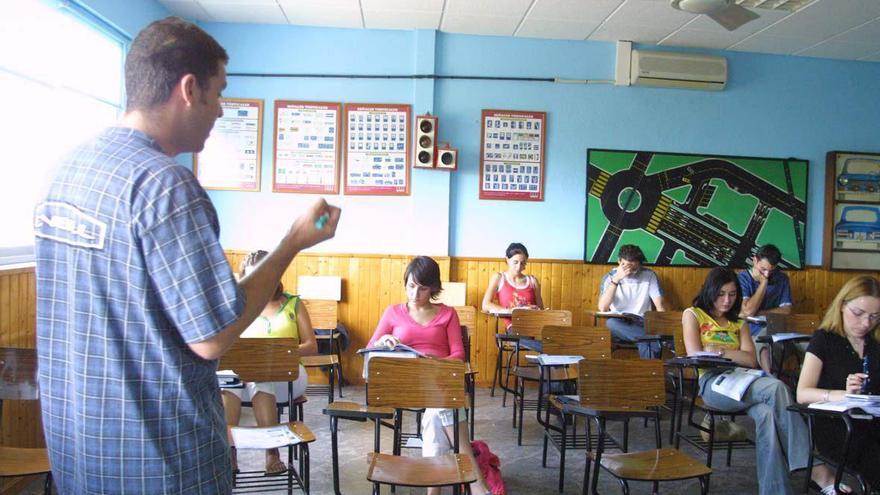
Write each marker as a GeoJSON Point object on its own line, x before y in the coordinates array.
{"type": "Point", "coordinates": [276, 467]}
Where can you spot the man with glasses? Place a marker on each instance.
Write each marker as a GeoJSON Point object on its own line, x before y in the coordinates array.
{"type": "Point", "coordinates": [765, 290]}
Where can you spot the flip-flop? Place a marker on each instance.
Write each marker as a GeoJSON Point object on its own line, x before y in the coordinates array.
{"type": "Point", "coordinates": [279, 468]}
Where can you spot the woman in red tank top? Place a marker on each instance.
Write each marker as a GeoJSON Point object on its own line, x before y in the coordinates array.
{"type": "Point", "coordinates": [512, 288]}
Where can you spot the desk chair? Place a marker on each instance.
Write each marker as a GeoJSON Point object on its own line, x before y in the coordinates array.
{"type": "Point", "coordinates": [323, 314]}
{"type": "Point", "coordinates": [441, 385]}
{"type": "Point", "coordinates": [621, 389]}
{"type": "Point", "coordinates": [687, 379]}
{"type": "Point", "coordinates": [803, 323]}
{"type": "Point", "coordinates": [529, 324]}
{"type": "Point", "coordinates": [271, 360]}
{"type": "Point", "coordinates": [661, 325]}
{"type": "Point", "coordinates": [589, 343]}
{"type": "Point", "coordinates": [18, 381]}
{"type": "Point", "coordinates": [467, 318]}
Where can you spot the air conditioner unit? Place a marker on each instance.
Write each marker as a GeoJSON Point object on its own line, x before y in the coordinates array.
{"type": "Point", "coordinates": [678, 70]}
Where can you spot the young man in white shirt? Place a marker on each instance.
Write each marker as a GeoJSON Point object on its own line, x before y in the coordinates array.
{"type": "Point", "coordinates": [631, 288]}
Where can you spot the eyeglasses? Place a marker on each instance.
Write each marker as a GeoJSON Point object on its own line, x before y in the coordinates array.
{"type": "Point", "coordinates": [862, 314]}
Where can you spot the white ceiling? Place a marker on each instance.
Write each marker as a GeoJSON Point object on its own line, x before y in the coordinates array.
{"type": "Point", "coordinates": [843, 29]}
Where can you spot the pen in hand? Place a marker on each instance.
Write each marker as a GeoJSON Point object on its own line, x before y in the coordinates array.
{"type": "Point", "coordinates": [865, 371]}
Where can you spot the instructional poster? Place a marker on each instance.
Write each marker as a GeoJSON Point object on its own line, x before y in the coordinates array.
{"type": "Point", "coordinates": [232, 154]}
{"type": "Point", "coordinates": [377, 149]}
{"type": "Point", "coordinates": [306, 147]}
{"type": "Point", "coordinates": [512, 158]}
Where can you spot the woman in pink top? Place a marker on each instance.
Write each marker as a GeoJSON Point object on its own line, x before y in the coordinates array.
{"type": "Point", "coordinates": [513, 288]}
{"type": "Point", "coordinates": [433, 329]}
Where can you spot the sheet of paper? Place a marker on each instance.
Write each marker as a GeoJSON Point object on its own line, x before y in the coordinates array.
{"type": "Point", "coordinates": [264, 438]}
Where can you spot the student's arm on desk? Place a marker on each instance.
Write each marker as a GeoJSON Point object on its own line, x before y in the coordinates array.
{"type": "Point", "coordinates": [808, 391]}
{"type": "Point", "coordinates": [260, 284]}
{"type": "Point", "coordinates": [489, 304]}
{"type": "Point", "coordinates": [659, 303]}
{"type": "Point", "coordinates": [606, 293]}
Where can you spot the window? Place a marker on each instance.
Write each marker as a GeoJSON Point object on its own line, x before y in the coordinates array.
{"type": "Point", "coordinates": [60, 81]}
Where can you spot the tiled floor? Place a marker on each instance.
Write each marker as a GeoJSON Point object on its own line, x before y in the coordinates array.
{"type": "Point", "coordinates": [520, 465]}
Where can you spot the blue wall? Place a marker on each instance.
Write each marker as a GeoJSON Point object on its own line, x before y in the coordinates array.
{"type": "Point", "coordinates": [774, 106]}
{"type": "Point", "coordinates": [129, 16]}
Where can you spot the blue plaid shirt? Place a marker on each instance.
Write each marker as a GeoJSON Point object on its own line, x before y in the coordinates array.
{"type": "Point", "coordinates": [129, 271]}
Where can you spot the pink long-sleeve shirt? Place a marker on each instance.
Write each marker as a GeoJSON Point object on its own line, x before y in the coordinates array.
{"type": "Point", "coordinates": [440, 338]}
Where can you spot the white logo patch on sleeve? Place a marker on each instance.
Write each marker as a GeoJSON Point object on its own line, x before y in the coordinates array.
{"type": "Point", "coordinates": [67, 224]}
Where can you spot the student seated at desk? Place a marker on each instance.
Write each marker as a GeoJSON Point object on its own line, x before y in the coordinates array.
{"type": "Point", "coordinates": [631, 288]}
{"type": "Point", "coordinates": [513, 288]}
{"type": "Point", "coordinates": [833, 367]}
{"type": "Point", "coordinates": [283, 317]}
{"type": "Point", "coordinates": [434, 330]}
{"type": "Point", "coordinates": [713, 324]}
{"type": "Point", "coordinates": [765, 290]}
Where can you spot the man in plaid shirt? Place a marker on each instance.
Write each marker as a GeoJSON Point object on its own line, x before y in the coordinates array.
{"type": "Point", "coordinates": [135, 299]}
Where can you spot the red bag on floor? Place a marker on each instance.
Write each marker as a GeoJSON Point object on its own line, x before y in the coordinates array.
{"type": "Point", "coordinates": [490, 466]}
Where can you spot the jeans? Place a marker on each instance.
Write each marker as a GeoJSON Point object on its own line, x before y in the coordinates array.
{"type": "Point", "coordinates": [777, 430]}
{"type": "Point", "coordinates": [630, 332]}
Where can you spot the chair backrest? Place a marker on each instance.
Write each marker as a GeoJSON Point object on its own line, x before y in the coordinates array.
{"type": "Point", "coordinates": [322, 313]}
{"type": "Point", "coordinates": [589, 342]}
{"type": "Point", "coordinates": [416, 383]}
{"type": "Point", "coordinates": [530, 322]}
{"type": "Point", "coordinates": [263, 359]}
{"type": "Point", "coordinates": [18, 374]}
{"type": "Point", "coordinates": [467, 317]}
{"type": "Point", "coordinates": [805, 323]}
{"type": "Point", "coordinates": [662, 322]}
{"type": "Point", "coordinates": [621, 384]}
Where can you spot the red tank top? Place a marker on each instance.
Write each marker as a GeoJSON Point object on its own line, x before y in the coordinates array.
{"type": "Point", "coordinates": [511, 296]}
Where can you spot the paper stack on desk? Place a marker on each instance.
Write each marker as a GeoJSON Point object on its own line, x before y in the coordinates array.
{"type": "Point", "coordinates": [263, 438]}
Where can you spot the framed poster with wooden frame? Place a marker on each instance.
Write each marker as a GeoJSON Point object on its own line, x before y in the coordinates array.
{"type": "Point", "coordinates": [377, 149]}
{"type": "Point", "coordinates": [232, 156]}
{"type": "Point", "coordinates": [852, 211]}
{"type": "Point", "coordinates": [512, 155]}
{"type": "Point", "coordinates": [307, 140]}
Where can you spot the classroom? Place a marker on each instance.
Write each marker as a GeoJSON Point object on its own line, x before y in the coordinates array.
{"type": "Point", "coordinates": [742, 140]}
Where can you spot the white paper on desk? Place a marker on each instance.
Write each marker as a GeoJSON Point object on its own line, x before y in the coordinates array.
{"type": "Point", "coordinates": [870, 408]}
{"type": "Point", "coordinates": [558, 360]}
{"type": "Point", "coordinates": [734, 382]}
{"type": "Point", "coordinates": [503, 313]}
{"type": "Point", "coordinates": [782, 337]}
{"type": "Point", "coordinates": [704, 354]}
{"type": "Point", "coordinates": [391, 354]}
{"type": "Point", "coordinates": [264, 438]}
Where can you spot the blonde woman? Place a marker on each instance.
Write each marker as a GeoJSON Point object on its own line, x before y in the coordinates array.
{"type": "Point", "coordinates": [847, 343]}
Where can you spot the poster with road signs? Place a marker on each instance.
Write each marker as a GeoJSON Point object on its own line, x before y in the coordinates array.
{"type": "Point", "coordinates": [232, 154]}
{"type": "Point", "coordinates": [307, 139]}
{"type": "Point", "coordinates": [377, 149]}
{"type": "Point", "coordinates": [512, 155]}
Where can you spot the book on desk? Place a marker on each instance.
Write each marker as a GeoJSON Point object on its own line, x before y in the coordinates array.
{"type": "Point", "coordinates": [398, 351]}
{"type": "Point", "coordinates": [630, 317]}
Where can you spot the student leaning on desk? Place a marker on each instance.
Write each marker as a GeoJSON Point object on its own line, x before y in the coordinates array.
{"type": "Point", "coordinates": [432, 329]}
{"type": "Point", "coordinates": [847, 339]}
{"type": "Point", "coordinates": [713, 324]}
{"type": "Point", "coordinates": [512, 288]}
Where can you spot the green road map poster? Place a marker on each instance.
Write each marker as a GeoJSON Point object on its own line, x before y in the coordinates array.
{"type": "Point", "coordinates": [694, 210]}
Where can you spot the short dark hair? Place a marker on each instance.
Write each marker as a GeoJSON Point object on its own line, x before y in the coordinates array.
{"type": "Point", "coordinates": [631, 252]}
{"type": "Point", "coordinates": [514, 249]}
{"type": "Point", "coordinates": [425, 272]}
{"type": "Point", "coordinates": [770, 253]}
{"type": "Point", "coordinates": [161, 54]}
{"type": "Point", "coordinates": [717, 278]}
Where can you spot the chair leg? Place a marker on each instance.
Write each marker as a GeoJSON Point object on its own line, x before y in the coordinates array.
{"type": "Point", "coordinates": [334, 451]}
{"type": "Point", "coordinates": [47, 486]}
{"type": "Point", "coordinates": [496, 377]}
{"type": "Point", "coordinates": [562, 453]}
{"type": "Point", "coordinates": [522, 406]}
{"type": "Point", "coordinates": [339, 378]}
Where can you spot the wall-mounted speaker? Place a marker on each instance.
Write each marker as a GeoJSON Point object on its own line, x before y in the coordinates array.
{"type": "Point", "coordinates": [447, 158]}
{"type": "Point", "coordinates": [426, 141]}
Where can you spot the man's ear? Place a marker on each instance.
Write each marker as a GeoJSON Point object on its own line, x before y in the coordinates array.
{"type": "Point", "coordinates": [187, 88]}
